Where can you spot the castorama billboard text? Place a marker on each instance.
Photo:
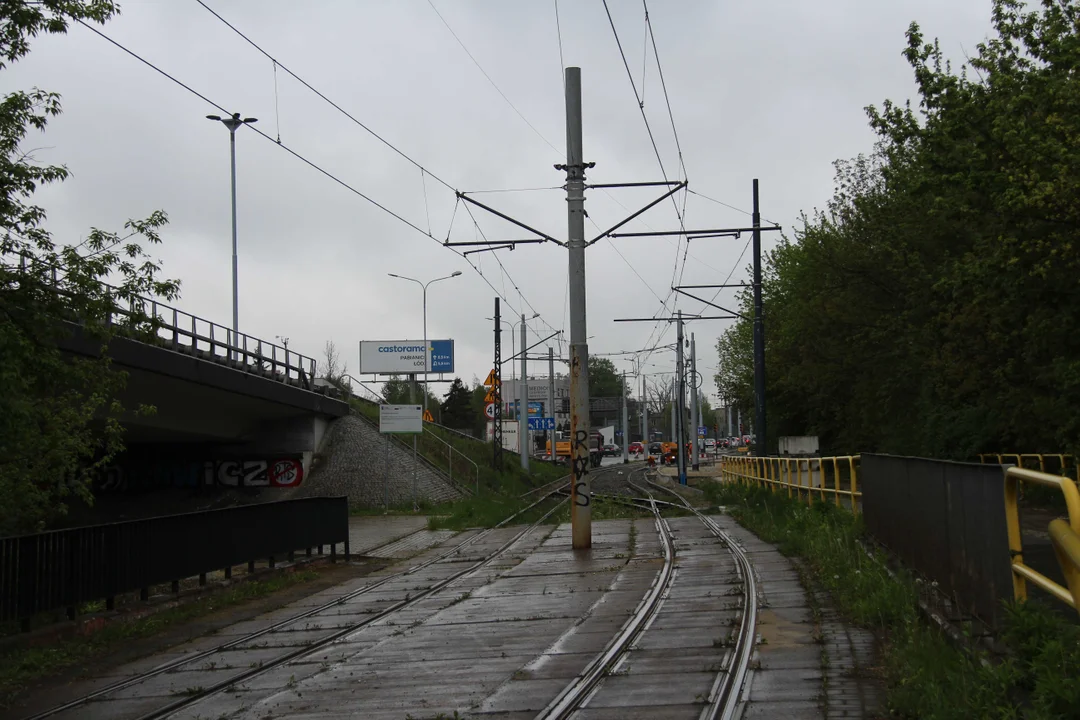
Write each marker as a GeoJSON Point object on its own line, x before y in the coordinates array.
{"type": "Point", "coordinates": [402, 357]}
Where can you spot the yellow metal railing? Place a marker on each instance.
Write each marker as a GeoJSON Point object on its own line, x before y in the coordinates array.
{"type": "Point", "coordinates": [800, 477]}
{"type": "Point", "coordinates": [1065, 537]}
{"type": "Point", "coordinates": [1059, 463]}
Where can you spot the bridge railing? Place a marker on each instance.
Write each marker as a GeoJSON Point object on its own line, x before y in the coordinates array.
{"type": "Point", "coordinates": [1052, 463]}
{"type": "Point", "coordinates": [154, 322]}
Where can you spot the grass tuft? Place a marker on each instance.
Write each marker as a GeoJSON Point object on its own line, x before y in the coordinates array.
{"type": "Point", "coordinates": [927, 676]}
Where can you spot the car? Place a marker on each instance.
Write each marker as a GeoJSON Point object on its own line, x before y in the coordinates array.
{"type": "Point", "coordinates": [636, 448]}
{"type": "Point", "coordinates": [611, 450]}
{"type": "Point", "coordinates": [656, 449]}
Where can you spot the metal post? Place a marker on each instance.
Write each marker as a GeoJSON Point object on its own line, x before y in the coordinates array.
{"type": "Point", "coordinates": [672, 396]}
{"type": "Point", "coordinates": [759, 335]}
{"type": "Point", "coordinates": [625, 424]}
{"type": "Point", "coordinates": [386, 477]}
{"type": "Point", "coordinates": [580, 490]}
{"type": "Point", "coordinates": [412, 400]}
{"type": "Point", "coordinates": [427, 351]}
{"type": "Point", "coordinates": [695, 408]}
{"type": "Point", "coordinates": [680, 394]}
{"type": "Point", "coordinates": [496, 426]}
{"type": "Point", "coordinates": [551, 401]}
{"type": "Point", "coordinates": [644, 416]}
{"type": "Point", "coordinates": [235, 293]}
{"type": "Point", "coordinates": [523, 404]}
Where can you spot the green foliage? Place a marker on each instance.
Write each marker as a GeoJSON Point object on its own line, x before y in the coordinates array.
{"type": "Point", "coordinates": [59, 417]}
{"type": "Point", "coordinates": [927, 675]}
{"type": "Point", "coordinates": [932, 308]}
{"type": "Point", "coordinates": [456, 407]}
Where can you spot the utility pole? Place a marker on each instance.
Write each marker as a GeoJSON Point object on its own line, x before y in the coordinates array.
{"type": "Point", "coordinates": [695, 409]}
{"type": "Point", "coordinates": [523, 405]}
{"type": "Point", "coordinates": [625, 424]}
{"type": "Point", "coordinates": [759, 334]}
{"type": "Point", "coordinates": [551, 402]}
{"type": "Point", "coordinates": [644, 416]}
{"type": "Point", "coordinates": [681, 394]}
{"type": "Point", "coordinates": [580, 490]}
{"type": "Point", "coordinates": [496, 426]}
{"type": "Point", "coordinates": [671, 394]}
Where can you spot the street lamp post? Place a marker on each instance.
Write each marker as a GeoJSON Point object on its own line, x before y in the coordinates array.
{"type": "Point", "coordinates": [233, 123]}
{"type": "Point", "coordinates": [427, 366]}
{"type": "Point", "coordinates": [427, 350]}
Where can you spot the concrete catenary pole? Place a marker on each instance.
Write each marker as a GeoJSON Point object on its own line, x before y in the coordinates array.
{"type": "Point", "coordinates": [625, 423]}
{"type": "Point", "coordinates": [671, 395]}
{"type": "Point", "coordinates": [695, 409]}
{"type": "Point", "coordinates": [523, 405]}
{"type": "Point", "coordinates": [550, 410]}
{"type": "Point", "coordinates": [580, 490]}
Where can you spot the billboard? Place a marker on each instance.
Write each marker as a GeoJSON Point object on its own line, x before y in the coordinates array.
{"type": "Point", "coordinates": [535, 408]}
{"type": "Point", "coordinates": [402, 357]}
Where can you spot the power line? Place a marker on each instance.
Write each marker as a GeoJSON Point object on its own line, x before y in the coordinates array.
{"type": "Point", "coordinates": [501, 93]}
{"type": "Point", "coordinates": [306, 161]}
{"type": "Point", "coordinates": [558, 29]}
{"type": "Point", "coordinates": [340, 109]}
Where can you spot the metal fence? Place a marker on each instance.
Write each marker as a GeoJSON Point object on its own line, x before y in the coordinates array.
{"type": "Point", "coordinates": [835, 478]}
{"type": "Point", "coordinates": [65, 568]}
{"type": "Point", "coordinates": [1052, 463]}
{"type": "Point", "coordinates": [947, 521]}
{"type": "Point", "coordinates": [160, 324]}
{"type": "Point", "coordinates": [1064, 535]}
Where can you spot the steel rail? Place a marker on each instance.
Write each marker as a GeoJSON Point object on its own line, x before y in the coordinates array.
{"type": "Point", "coordinates": [726, 694]}
{"type": "Point", "coordinates": [574, 695]}
{"type": "Point", "coordinates": [335, 603]}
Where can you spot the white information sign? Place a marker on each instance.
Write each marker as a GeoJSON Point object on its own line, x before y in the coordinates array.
{"type": "Point", "coordinates": [386, 357]}
{"type": "Point", "coordinates": [401, 419]}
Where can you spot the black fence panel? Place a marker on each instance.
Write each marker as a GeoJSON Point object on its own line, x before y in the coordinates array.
{"type": "Point", "coordinates": [946, 520]}
{"type": "Point", "coordinates": [64, 568]}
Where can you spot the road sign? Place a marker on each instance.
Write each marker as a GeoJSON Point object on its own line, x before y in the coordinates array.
{"type": "Point", "coordinates": [618, 433]}
{"type": "Point", "coordinates": [489, 411]}
{"type": "Point", "coordinates": [401, 419]}
{"type": "Point", "coordinates": [383, 357]}
{"type": "Point", "coordinates": [541, 423]}
{"type": "Point", "coordinates": [701, 431]}
{"type": "Point", "coordinates": [492, 396]}
{"type": "Point", "coordinates": [427, 416]}
{"type": "Point", "coordinates": [491, 379]}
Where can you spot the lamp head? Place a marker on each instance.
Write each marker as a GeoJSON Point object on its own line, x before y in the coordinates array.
{"type": "Point", "coordinates": [455, 273]}
{"type": "Point", "coordinates": [214, 117]}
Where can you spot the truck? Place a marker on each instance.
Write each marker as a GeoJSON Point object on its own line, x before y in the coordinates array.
{"type": "Point", "coordinates": [563, 449]}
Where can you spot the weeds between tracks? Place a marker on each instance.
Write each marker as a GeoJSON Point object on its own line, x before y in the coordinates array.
{"type": "Point", "coordinates": [927, 676]}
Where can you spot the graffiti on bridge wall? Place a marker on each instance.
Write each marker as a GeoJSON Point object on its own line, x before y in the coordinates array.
{"type": "Point", "coordinates": [250, 473]}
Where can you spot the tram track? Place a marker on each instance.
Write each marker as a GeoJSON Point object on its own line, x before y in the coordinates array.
{"type": "Point", "coordinates": [725, 696]}
{"type": "Point", "coordinates": [205, 658]}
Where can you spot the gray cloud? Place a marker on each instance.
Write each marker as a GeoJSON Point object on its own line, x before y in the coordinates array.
{"type": "Point", "coordinates": [769, 89]}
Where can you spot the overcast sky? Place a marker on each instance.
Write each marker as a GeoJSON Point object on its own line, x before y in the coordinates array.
{"type": "Point", "coordinates": [770, 89]}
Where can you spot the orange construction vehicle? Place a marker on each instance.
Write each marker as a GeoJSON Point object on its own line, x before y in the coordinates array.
{"type": "Point", "coordinates": [563, 450]}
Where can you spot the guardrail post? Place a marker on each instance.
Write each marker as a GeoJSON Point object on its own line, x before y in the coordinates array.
{"type": "Point", "coordinates": [854, 487]}
{"type": "Point", "coordinates": [333, 552]}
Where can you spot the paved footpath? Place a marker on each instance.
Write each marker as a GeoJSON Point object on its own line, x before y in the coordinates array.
{"type": "Point", "coordinates": [501, 641]}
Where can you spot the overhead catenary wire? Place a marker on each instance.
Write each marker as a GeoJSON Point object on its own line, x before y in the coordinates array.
{"type": "Point", "coordinates": [337, 107]}
{"type": "Point", "coordinates": [303, 159]}
{"type": "Point", "coordinates": [480, 67]}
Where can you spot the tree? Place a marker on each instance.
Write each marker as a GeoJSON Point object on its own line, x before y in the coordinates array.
{"type": "Point", "coordinates": [457, 409]}
{"type": "Point", "coordinates": [397, 391]}
{"type": "Point", "coordinates": [604, 380]}
{"type": "Point", "coordinates": [334, 370]}
{"type": "Point", "coordinates": [931, 308]}
{"type": "Point", "coordinates": [59, 415]}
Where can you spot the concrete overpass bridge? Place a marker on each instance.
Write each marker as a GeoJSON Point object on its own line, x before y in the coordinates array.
{"type": "Point", "coordinates": [231, 409]}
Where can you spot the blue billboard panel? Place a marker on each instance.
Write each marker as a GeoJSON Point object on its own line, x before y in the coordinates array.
{"type": "Point", "coordinates": [441, 355]}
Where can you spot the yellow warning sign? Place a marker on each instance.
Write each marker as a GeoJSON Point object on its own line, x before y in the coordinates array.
{"type": "Point", "coordinates": [491, 380]}
{"type": "Point", "coordinates": [492, 396]}
{"type": "Point", "coordinates": [427, 416]}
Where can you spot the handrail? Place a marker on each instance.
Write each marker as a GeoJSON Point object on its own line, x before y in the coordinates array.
{"type": "Point", "coordinates": [777, 473]}
{"type": "Point", "coordinates": [450, 465]}
{"type": "Point", "coordinates": [1040, 458]}
{"type": "Point", "coordinates": [200, 334]}
{"type": "Point", "coordinates": [1065, 537]}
